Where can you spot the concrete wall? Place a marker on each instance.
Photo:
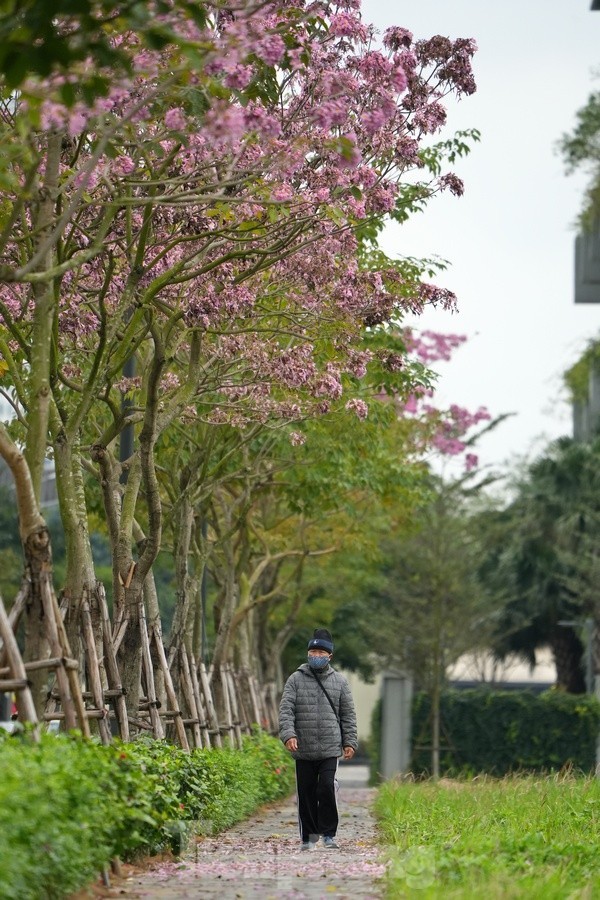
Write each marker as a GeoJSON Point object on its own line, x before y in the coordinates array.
{"type": "Point", "coordinates": [365, 698]}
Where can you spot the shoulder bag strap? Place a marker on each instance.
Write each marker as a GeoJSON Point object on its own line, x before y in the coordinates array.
{"type": "Point", "coordinates": [322, 686]}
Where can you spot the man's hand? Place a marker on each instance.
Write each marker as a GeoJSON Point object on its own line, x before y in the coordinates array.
{"type": "Point", "coordinates": [291, 744]}
{"type": "Point", "coordinates": [348, 752]}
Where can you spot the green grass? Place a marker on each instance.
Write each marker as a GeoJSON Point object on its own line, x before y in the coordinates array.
{"type": "Point", "coordinates": [529, 837]}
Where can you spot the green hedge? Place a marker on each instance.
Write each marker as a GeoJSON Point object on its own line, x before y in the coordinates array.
{"type": "Point", "coordinates": [508, 731]}
{"type": "Point", "coordinates": [68, 806]}
{"type": "Point", "coordinates": [498, 732]}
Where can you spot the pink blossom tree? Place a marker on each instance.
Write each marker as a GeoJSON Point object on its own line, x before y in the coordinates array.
{"type": "Point", "coordinates": [208, 217]}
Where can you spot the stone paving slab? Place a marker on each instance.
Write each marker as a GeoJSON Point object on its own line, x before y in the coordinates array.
{"type": "Point", "coordinates": [261, 858]}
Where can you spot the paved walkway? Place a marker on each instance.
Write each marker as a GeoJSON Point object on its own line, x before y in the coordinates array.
{"type": "Point", "coordinates": [260, 858]}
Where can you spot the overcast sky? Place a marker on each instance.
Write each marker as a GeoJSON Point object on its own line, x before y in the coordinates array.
{"type": "Point", "coordinates": [510, 237]}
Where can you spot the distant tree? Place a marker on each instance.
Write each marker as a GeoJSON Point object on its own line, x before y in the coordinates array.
{"type": "Point", "coordinates": [542, 558]}
{"type": "Point", "coordinates": [580, 149]}
{"type": "Point", "coordinates": [414, 601]}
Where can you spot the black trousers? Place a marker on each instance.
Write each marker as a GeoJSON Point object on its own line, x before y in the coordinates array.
{"type": "Point", "coordinates": [317, 807]}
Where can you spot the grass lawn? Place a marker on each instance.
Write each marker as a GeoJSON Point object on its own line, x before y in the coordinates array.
{"type": "Point", "coordinates": [531, 837]}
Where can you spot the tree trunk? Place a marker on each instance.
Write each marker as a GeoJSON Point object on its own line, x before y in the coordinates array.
{"type": "Point", "coordinates": [44, 312]}
{"type": "Point", "coordinates": [37, 549]}
{"type": "Point", "coordinates": [35, 539]}
{"type": "Point", "coordinates": [129, 656]}
{"type": "Point", "coordinates": [223, 611]}
{"type": "Point", "coordinates": [199, 646]}
{"type": "Point", "coordinates": [134, 574]}
{"type": "Point", "coordinates": [568, 652]}
{"type": "Point", "coordinates": [435, 728]}
{"type": "Point", "coordinates": [80, 579]}
{"type": "Point", "coordinates": [38, 563]}
{"type": "Point", "coordinates": [594, 639]}
{"type": "Point", "coordinates": [128, 582]}
{"type": "Point", "coordinates": [226, 610]}
{"type": "Point", "coordinates": [155, 627]}
{"type": "Point", "coordinates": [244, 659]}
{"type": "Point", "coordinates": [183, 581]}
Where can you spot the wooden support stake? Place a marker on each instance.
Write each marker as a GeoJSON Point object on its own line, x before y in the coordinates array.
{"type": "Point", "coordinates": [257, 718]}
{"type": "Point", "coordinates": [272, 706]}
{"type": "Point", "coordinates": [209, 705]}
{"type": "Point", "coordinates": [118, 634]}
{"type": "Point", "coordinates": [49, 600]}
{"type": "Point", "coordinates": [169, 688]}
{"type": "Point", "coordinates": [149, 675]}
{"type": "Point", "coordinates": [94, 670]}
{"type": "Point", "coordinates": [56, 648]}
{"type": "Point", "coordinates": [129, 578]}
{"type": "Point", "coordinates": [14, 617]}
{"type": "Point", "coordinates": [199, 704]}
{"type": "Point", "coordinates": [230, 679]}
{"type": "Point", "coordinates": [112, 669]}
{"type": "Point", "coordinates": [227, 710]}
{"type": "Point", "coordinates": [188, 693]}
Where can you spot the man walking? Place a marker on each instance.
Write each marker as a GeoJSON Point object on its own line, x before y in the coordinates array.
{"type": "Point", "coordinates": [317, 724]}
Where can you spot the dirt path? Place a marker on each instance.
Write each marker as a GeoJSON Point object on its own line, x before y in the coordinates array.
{"type": "Point", "coordinates": [261, 858]}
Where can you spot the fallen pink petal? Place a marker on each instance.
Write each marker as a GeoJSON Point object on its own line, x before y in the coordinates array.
{"type": "Point", "coordinates": [261, 857]}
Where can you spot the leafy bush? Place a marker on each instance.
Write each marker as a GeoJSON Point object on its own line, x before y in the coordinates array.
{"type": "Point", "coordinates": [273, 766]}
{"type": "Point", "coordinates": [58, 815]}
{"type": "Point", "coordinates": [506, 731]}
{"type": "Point", "coordinates": [498, 732]}
{"type": "Point", "coordinates": [68, 806]}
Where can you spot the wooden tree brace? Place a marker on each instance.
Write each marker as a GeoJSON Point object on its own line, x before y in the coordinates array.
{"type": "Point", "coordinates": [148, 673]}
{"type": "Point", "coordinates": [14, 684]}
{"type": "Point", "coordinates": [93, 668]}
{"type": "Point", "coordinates": [146, 726]}
{"type": "Point", "coordinates": [146, 704]}
{"type": "Point", "coordinates": [52, 662]}
{"type": "Point", "coordinates": [25, 704]}
{"type": "Point", "coordinates": [89, 713]}
{"type": "Point", "coordinates": [169, 688]}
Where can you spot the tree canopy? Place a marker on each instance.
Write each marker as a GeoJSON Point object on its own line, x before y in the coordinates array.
{"type": "Point", "coordinates": [191, 288]}
{"type": "Point", "coordinates": [580, 149]}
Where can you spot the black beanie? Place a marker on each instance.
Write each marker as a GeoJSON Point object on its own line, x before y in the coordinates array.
{"type": "Point", "coordinates": [321, 640]}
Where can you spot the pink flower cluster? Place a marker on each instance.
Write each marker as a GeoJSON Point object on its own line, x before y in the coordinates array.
{"type": "Point", "coordinates": [431, 346]}
{"type": "Point", "coordinates": [359, 407]}
{"type": "Point", "coordinates": [233, 189]}
{"type": "Point", "coordinates": [447, 430]}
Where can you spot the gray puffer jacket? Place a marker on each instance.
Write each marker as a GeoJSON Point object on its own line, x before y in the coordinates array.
{"type": "Point", "coordinates": [305, 713]}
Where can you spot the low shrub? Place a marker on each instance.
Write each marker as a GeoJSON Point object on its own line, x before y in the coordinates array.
{"type": "Point", "coordinates": [68, 806]}
{"type": "Point", "coordinates": [499, 732]}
